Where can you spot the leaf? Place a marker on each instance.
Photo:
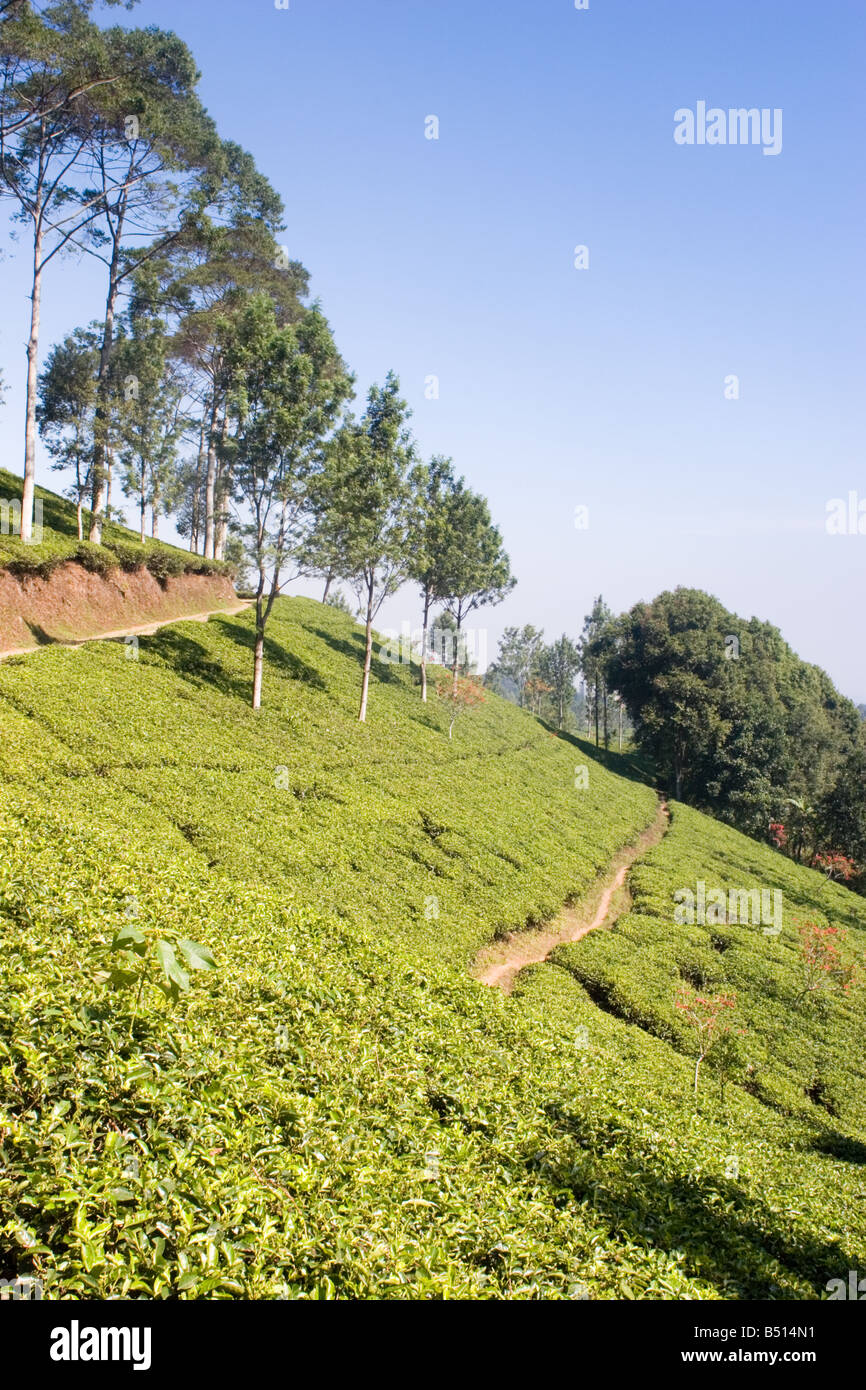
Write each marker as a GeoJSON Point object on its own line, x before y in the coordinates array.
{"type": "Point", "coordinates": [122, 1194]}
{"type": "Point", "coordinates": [176, 978]}
{"type": "Point", "coordinates": [197, 957]}
{"type": "Point", "coordinates": [129, 938]}
{"type": "Point", "coordinates": [122, 979]}
{"type": "Point", "coordinates": [171, 991]}
{"type": "Point", "coordinates": [91, 1256]}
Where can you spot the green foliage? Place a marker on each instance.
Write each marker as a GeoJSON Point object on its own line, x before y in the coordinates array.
{"type": "Point", "coordinates": [475, 571]}
{"type": "Point", "coordinates": [558, 668]}
{"type": "Point", "coordinates": [120, 546]}
{"type": "Point", "coordinates": [165, 564]}
{"type": "Point", "coordinates": [596, 652]}
{"type": "Point", "coordinates": [634, 970]}
{"type": "Point", "coordinates": [67, 400]}
{"type": "Point", "coordinates": [337, 599]}
{"type": "Point", "coordinates": [362, 501]}
{"type": "Point", "coordinates": [269, 1134]}
{"type": "Point", "coordinates": [732, 716]}
{"type": "Point", "coordinates": [97, 559]}
{"type": "Point", "coordinates": [517, 663]}
{"type": "Point", "coordinates": [143, 954]}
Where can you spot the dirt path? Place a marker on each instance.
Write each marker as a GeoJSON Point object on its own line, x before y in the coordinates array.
{"type": "Point", "coordinates": [143, 630]}
{"type": "Point", "coordinates": [500, 963]}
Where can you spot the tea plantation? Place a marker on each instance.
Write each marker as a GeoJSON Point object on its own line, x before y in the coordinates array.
{"type": "Point", "coordinates": [338, 1109]}
{"type": "Point", "coordinates": [56, 542]}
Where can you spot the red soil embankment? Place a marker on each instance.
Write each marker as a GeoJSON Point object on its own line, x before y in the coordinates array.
{"type": "Point", "coordinates": [74, 604]}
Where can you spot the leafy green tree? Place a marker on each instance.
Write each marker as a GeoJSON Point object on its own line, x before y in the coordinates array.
{"type": "Point", "coordinates": [55, 69]}
{"type": "Point", "coordinates": [596, 649]}
{"type": "Point", "coordinates": [558, 666]}
{"type": "Point", "coordinates": [158, 164]}
{"type": "Point", "coordinates": [151, 421]}
{"type": "Point", "coordinates": [841, 812]}
{"type": "Point", "coordinates": [669, 664]}
{"type": "Point", "coordinates": [226, 253]}
{"type": "Point", "coordinates": [363, 506]}
{"type": "Point", "coordinates": [445, 642]}
{"type": "Point", "coordinates": [287, 386]}
{"type": "Point", "coordinates": [339, 601]}
{"type": "Point", "coordinates": [189, 514]}
{"type": "Point", "coordinates": [65, 411]}
{"type": "Point", "coordinates": [474, 570]}
{"type": "Point", "coordinates": [434, 487]}
{"type": "Point", "coordinates": [517, 662]}
{"type": "Point", "coordinates": [736, 720]}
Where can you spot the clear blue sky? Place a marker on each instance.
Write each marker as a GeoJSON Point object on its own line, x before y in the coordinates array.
{"type": "Point", "coordinates": [559, 387]}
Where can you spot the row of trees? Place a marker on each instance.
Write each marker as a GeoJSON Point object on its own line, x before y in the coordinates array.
{"type": "Point", "coordinates": [542, 677]}
{"type": "Point", "coordinates": [209, 383]}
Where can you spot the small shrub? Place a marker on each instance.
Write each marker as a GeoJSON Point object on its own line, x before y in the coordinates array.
{"type": "Point", "coordinates": [165, 564]}
{"type": "Point", "coordinates": [96, 559]}
{"type": "Point", "coordinates": [130, 557]}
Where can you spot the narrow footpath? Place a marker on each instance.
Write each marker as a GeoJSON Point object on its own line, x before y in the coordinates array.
{"type": "Point", "coordinates": [499, 963]}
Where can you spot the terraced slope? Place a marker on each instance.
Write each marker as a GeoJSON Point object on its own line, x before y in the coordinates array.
{"type": "Point", "coordinates": [340, 1110]}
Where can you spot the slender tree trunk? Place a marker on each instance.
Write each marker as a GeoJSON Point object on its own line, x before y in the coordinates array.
{"type": "Point", "coordinates": [368, 653]}
{"type": "Point", "coordinates": [221, 519]}
{"type": "Point", "coordinates": [154, 530]}
{"type": "Point", "coordinates": [261, 619]}
{"type": "Point", "coordinates": [210, 484]}
{"type": "Point", "coordinates": [222, 531]}
{"type": "Point", "coordinates": [595, 702]}
{"type": "Point", "coordinates": [424, 628]}
{"type": "Point", "coordinates": [195, 516]}
{"type": "Point", "coordinates": [328, 582]}
{"type": "Point", "coordinates": [101, 424]}
{"type": "Point", "coordinates": [142, 508]}
{"type": "Point", "coordinates": [79, 511]}
{"type": "Point", "coordinates": [606, 735]}
{"type": "Point", "coordinates": [456, 659]}
{"type": "Point", "coordinates": [259, 660]}
{"type": "Point", "coordinates": [29, 491]}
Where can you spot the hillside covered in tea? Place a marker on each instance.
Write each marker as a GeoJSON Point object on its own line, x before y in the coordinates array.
{"type": "Point", "coordinates": [339, 1109]}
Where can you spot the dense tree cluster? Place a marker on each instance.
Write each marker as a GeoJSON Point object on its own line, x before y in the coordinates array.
{"type": "Point", "coordinates": [734, 721]}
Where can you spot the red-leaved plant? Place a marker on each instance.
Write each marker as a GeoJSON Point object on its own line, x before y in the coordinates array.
{"type": "Point", "coordinates": [460, 694]}
{"type": "Point", "coordinates": [835, 866]}
{"type": "Point", "coordinates": [708, 1017]}
{"type": "Point", "coordinates": [778, 834]}
{"type": "Point", "coordinates": [823, 968]}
